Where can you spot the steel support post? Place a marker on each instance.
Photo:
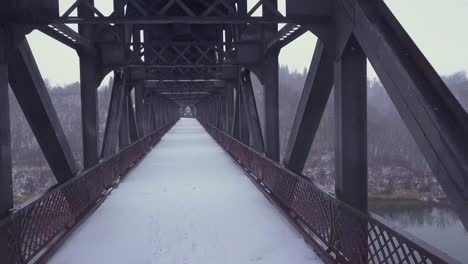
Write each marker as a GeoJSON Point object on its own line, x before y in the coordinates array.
{"type": "Point", "coordinates": [229, 91]}
{"type": "Point", "coordinates": [159, 110]}
{"type": "Point", "coordinates": [309, 113]}
{"type": "Point", "coordinates": [124, 132]}
{"type": "Point", "coordinates": [236, 117]}
{"type": "Point", "coordinates": [6, 184]}
{"type": "Point", "coordinates": [132, 120]}
{"type": "Point", "coordinates": [250, 106]}
{"type": "Point", "coordinates": [6, 180]}
{"type": "Point", "coordinates": [243, 125]}
{"type": "Point", "coordinates": [157, 119]}
{"type": "Point", "coordinates": [139, 107]}
{"type": "Point", "coordinates": [351, 126]}
{"type": "Point", "coordinates": [271, 84]}
{"type": "Point", "coordinates": [145, 114]}
{"type": "Point", "coordinates": [432, 114]}
{"type": "Point", "coordinates": [219, 111]}
{"type": "Point", "coordinates": [162, 110]}
{"type": "Point", "coordinates": [214, 111]}
{"type": "Point", "coordinates": [89, 81]}
{"type": "Point", "coordinates": [270, 74]}
{"type": "Point", "coordinates": [148, 112]}
{"type": "Point", "coordinates": [153, 113]}
{"type": "Point", "coordinates": [111, 133]}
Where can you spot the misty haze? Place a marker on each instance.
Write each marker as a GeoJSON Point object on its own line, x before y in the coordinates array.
{"type": "Point", "coordinates": [203, 138]}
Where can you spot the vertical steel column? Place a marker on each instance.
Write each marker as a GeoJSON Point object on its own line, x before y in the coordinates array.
{"type": "Point", "coordinates": [132, 120]}
{"type": "Point", "coordinates": [351, 126]}
{"type": "Point", "coordinates": [155, 112]}
{"type": "Point", "coordinates": [242, 7]}
{"type": "Point", "coordinates": [124, 134]}
{"type": "Point", "coordinates": [236, 117]}
{"type": "Point", "coordinates": [229, 91]}
{"type": "Point", "coordinates": [6, 181]}
{"type": "Point", "coordinates": [6, 184]}
{"type": "Point", "coordinates": [162, 111]}
{"type": "Point", "coordinates": [219, 111]}
{"type": "Point", "coordinates": [139, 107]}
{"type": "Point", "coordinates": [89, 81]}
{"type": "Point", "coordinates": [271, 84]}
{"type": "Point", "coordinates": [146, 115]}
{"type": "Point", "coordinates": [250, 106]}
{"type": "Point", "coordinates": [244, 135]}
{"type": "Point", "coordinates": [136, 39]}
{"type": "Point", "coordinates": [114, 115]}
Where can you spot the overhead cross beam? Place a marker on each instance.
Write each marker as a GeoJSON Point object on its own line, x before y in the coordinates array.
{"type": "Point", "coordinates": [285, 35]}
{"type": "Point", "coordinates": [68, 36]}
{"type": "Point", "coordinates": [164, 20]}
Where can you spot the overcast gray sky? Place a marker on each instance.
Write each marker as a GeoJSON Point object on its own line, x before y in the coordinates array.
{"type": "Point", "coordinates": [438, 28]}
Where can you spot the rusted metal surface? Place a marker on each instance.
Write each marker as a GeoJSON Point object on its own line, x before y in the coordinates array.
{"type": "Point", "coordinates": [33, 229]}
{"type": "Point", "coordinates": [341, 233]}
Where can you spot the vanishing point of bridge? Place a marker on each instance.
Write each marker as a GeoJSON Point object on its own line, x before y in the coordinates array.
{"type": "Point", "coordinates": [214, 189]}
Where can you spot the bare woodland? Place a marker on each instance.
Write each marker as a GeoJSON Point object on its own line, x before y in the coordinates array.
{"type": "Point", "coordinates": [396, 166]}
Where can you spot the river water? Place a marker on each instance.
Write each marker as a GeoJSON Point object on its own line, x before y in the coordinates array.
{"type": "Point", "coordinates": [437, 225]}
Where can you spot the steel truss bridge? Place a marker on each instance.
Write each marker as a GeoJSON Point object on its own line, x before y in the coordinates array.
{"type": "Point", "coordinates": [200, 53]}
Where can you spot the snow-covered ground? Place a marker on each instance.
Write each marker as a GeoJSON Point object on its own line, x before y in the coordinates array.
{"type": "Point", "coordinates": [187, 202]}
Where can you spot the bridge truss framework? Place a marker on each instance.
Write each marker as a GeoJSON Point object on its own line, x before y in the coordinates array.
{"type": "Point", "coordinates": [169, 54]}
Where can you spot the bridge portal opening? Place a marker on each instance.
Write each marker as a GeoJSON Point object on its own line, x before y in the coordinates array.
{"type": "Point", "coordinates": [188, 111]}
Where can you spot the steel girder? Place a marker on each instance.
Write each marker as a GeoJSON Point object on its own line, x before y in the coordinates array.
{"type": "Point", "coordinates": [317, 88]}
{"type": "Point", "coordinates": [31, 92]}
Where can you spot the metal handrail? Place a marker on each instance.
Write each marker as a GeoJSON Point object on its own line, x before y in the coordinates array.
{"type": "Point", "coordinates": [341, 233]}
{"type": "Point", "coordinates": [33, 230]}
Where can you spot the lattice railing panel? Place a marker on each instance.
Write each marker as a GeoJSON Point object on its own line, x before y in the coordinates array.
{"type": "Point", "coordinates": [340, 232]}
{"type": "Point", "coordinates": [33, 227]}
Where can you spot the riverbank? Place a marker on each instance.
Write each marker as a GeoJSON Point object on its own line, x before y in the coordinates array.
{"type": "Point", "coordinates": [429, 198]}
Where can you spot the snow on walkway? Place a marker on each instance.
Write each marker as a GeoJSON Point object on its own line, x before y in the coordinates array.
{"type": "Point", "coordinates": [187, 202]}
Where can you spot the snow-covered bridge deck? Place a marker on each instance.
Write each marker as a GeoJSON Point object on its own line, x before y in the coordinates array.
{"type": "Point", "coordinates": [187, 202]}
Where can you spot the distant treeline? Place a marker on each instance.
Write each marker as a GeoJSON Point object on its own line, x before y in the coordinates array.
{"type": "Point", "coordinates": [388, 139]}
{"type": "Point", "coordinates": [66, 101]}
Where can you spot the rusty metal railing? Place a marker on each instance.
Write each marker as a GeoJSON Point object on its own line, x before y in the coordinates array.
{"type": "Point", "coordinates": [31, 231]}
{"type": "Point", "coordinates": [339, 233]}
